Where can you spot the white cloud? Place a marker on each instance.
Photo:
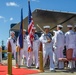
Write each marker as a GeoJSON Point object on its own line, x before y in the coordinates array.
{"type": "Point", "coordinates": [11, 19]}
{"type": "Point", "coordinates": [1, 17]}
{"type": "Point", "coordinates": [5, 20]}
{"type": "Point", "coordinates": [12, 4]}
{"type": "Point", "coordinates": [35, 0]}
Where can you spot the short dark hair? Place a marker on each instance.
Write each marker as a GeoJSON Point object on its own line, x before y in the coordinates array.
{"type": "Point", "coordinates": [70, 28]}
{"type": "Point", "coordinates": [74, 28]}
{"type": "Point", "coordinates": [60, 28]}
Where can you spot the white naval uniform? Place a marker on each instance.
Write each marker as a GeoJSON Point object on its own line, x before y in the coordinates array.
{"type": "Point", "coordinates": [13, 45]}
{"type": "Point", "coordinates": [59, 46]}
{"type": "Point", "coordinates": [23, 51]}
{"type": "Point", "coordinates": [30, 54]}
{"type": "Point", "coordinates": [54, 52]}
{"type": "Point", "coordinates": [36, 44]}
{"type": "Point", "coordinates": [75, 46]}
{"type": "Point", "coordinates": [47, 49]}
{"type": "Point", "coordinates": [25, 48]}
{"type": "Point", "coordinates": [70, 43]}
{"type": "Point", "coordinates": [35, 48]}
{"type": "Point", "coordinates": [70, 40]}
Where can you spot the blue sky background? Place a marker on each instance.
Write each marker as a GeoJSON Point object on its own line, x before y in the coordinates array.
{"type": "Point", "coordinates": [10, 11]}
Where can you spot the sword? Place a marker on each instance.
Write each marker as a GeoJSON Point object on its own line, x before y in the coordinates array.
{"type": "Point", "coordinates": [41, 29]}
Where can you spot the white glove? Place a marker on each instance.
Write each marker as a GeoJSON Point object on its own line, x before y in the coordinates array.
{"type": "Point", "coordinates": [55, 47]}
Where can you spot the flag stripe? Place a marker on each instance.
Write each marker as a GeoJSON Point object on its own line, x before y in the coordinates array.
{"type": "Point", "coordinates": [30, 26]}
{"type": "Point", "coordinates": [30, 23]}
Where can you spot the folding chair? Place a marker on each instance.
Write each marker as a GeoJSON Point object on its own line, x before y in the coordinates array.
{"type": "Point", "coordinates": [69, 56]}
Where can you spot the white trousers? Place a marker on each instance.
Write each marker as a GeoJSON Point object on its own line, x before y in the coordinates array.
{"type": "Point", "coordinates": [55, 59]}
{"type": "Point", "coordinates": [59, 54]}
{"type": "Point", "coordinates": [23, 53]}
{"type": "Point", "coordinates": [32, 54]}
{"type": "Point", "coordinates": [35, 53]}
{"type": "Point", "coordinates": [14, 53]}
{"type": "Point", "coordinates": [29, 59]}
{"type": "Point", "coordinates": [25, 56]}
{"type": "Point", "coordinates": [45, 56]}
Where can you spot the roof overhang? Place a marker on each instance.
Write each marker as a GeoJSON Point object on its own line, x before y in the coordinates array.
{"type": "Point", "coordinates": [52, 18]}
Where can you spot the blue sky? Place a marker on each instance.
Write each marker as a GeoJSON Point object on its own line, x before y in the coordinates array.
{"type": "Point", "coordinates": [10, 11]}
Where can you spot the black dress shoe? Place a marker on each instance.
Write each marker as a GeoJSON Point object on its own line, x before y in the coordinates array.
{"type": "Point", "coordinates": [56, 68]}
{"type": "Point", "coordinates": [33, 64]}
{"type": "Point", "coordinates": [37, 68]}
{"type": "Point", "coordinates": [53, 70]}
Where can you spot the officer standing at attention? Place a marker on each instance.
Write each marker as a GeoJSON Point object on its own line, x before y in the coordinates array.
{"type": "Point", "coordinates": [35, 48]}
{"type": "Point", "coordinates": [75, 40]}
{"type": "Point", "coordinates": [25, 47]}
{"type": "Point", "coordinates": [70, 43]}
{"type": "Point", "coordinates": [59, 45]}
{"type": "Point", "coordinates": [12, 40]}
{"type": "Point", "coordinates": [54, 50]}
{"type": "Point", "coordinates": [23, 51]}
{"type": "Point", "coordinates": [46, 40]}
{"type": "Point", "coordinates": [36, 44]}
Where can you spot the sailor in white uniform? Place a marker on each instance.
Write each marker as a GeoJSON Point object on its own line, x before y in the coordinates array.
{"type": "Point", "coordinates": [23, 51]}
{"type": "Point", "coordinates": [46, 40]}
{"type": "Point", "coordinates": [54, 50]}
{"type": "Point", "coordinates": [75, 40]}
{"type": "Point", "coordinates": [35, 48]}
{"type": "Point", "coordinates": [70, 43]}
{"type": "Point", "coordinates": [59, 45]}
{"type": "Point", "coordinates": [12, 40]}
{"type": "Point", "coordinates": [25, 47]}
{"type": "Point", "coordinates": [36, 44]}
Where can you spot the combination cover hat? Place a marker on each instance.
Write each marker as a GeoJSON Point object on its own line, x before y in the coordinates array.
{"type": "Point", "coordinates": [12, 32]}
{"type": "Point", "coordinates": [24, 30]}
{"type": "Point", "coordinates": [60, 26]}
{"type": "Point", "coordinates": [69, 25]}
{"type": "Point", "coordinates": [47, 26]}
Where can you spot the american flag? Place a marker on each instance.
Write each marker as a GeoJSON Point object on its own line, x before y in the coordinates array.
{"type": "Point", "coordinates": [30, 23]}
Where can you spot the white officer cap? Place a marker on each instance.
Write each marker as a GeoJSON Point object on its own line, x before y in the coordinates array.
{"type": "Point", "coordinates": [74, 26]}
{"type": "Point", "coordinates": [12, 32]}
{"type": "Point", "coordinates": [24, 30]}
{"type": "Point", "coordinates": [34, 28]}
{"type": "Point", "coordinates": [60, 26]}
{"type": "Point", "coordinates": [69, 26]}
{"type": "Point", "coordinates": [46, 27]}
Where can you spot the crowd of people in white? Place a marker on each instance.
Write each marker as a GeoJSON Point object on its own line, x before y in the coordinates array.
{"type": "Point", "coordinates": [52, 46]}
